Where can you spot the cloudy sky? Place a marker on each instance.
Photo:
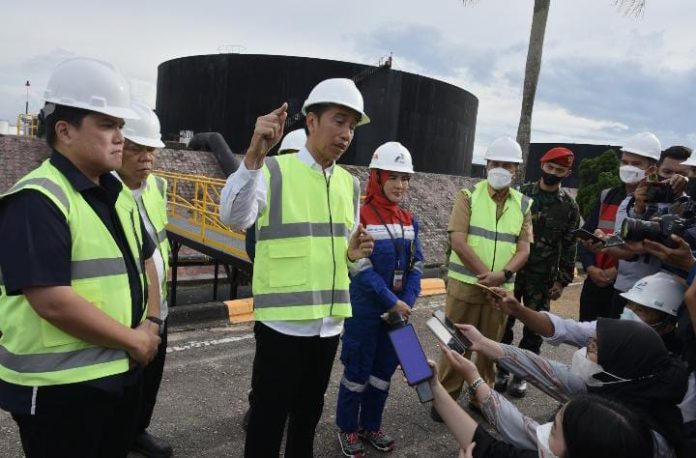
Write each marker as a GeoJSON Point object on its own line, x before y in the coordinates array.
{"type": "Point", "coordinates": [604, 75]}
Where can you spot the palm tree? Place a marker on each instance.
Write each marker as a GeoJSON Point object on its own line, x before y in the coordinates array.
{"type": "Point", "coordinates": [533, 66]}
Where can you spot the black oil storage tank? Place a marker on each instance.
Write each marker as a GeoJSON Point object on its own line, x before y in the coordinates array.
{"type": "Point", "coordinates": [225, 93]}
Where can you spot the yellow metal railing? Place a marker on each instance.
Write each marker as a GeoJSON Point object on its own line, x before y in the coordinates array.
{"type": "Point", "coordinates": [196, 199]}
{"type": "Point", "coordinates": [27, 124]}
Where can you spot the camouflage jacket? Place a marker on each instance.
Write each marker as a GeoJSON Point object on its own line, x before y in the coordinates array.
{"type": "Point", "coordinates": [554, 216]}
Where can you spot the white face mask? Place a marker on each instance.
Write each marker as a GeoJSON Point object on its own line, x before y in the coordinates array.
{"type": "Point", "coordinates": [630, 174]}
{"type": "Point", "coordinates": [543, 432]}
{"type": "Point", "coordinates": [499, 178]}
{"type": "Point", "coordinates": [630, 315]}
{"type": "Point", "coordinates": [586, 369]}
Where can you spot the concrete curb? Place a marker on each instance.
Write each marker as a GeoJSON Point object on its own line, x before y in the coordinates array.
{"type": "Point", "coordinates": [194, 315]}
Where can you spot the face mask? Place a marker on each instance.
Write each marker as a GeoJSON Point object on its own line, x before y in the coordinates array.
{"type": "Point", "coordinates": [631, 174]}
{"type": "Point", "coordinates": [630, 315]}
{"type": "Point", "coordinates": [550, 179]}
{"type": "Point", "coordinates": [586, 369]}
{"type": "Point", "coordinates": [499, 178]}
{"type": "Point", "coordinates": [543, 432]}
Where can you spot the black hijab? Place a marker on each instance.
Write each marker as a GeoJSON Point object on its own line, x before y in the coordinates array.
{"type": "Point", "coordinates": [658, 380]}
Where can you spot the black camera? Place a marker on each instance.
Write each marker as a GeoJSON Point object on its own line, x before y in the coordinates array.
{"type": "Point", "coordinates": [658, 229]}
{"type": "Point", "coordinates": [660, 192]}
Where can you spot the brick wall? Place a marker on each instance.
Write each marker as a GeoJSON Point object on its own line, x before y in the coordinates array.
{"type": "Point", "coordinates": [430, 197]}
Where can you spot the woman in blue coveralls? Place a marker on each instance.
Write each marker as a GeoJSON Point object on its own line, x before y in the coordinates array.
{"type": "Point", "coordinates": [387, 281]}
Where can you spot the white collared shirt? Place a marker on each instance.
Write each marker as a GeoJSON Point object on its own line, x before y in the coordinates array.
{"type": "Point", "coordinates": [242, 199]}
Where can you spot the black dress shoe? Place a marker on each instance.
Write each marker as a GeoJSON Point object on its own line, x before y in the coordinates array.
{"type": "Point", "coordinates": [435, 416]}
{"type": "Point", "coordinates": [501, 382]}
{"type": "Point", "coordinates": [518, 387]}
{"type": "Point", "coordinates": [150, 446]}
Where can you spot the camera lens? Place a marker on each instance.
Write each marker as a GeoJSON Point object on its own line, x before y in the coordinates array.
{"type": "Point", "coordinates": [636, 230]}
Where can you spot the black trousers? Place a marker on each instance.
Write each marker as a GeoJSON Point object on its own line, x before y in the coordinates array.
{"type": "Point", "coordinates": [289, 379]}
{"type": "Point", "coordinates": [85, 423]}
{"type": "Point", "coordinates": [534, 294]}
{"type": "Point", "coordinates": [595, 301]}
{"type": "Point", "coordinates": [152, 377]}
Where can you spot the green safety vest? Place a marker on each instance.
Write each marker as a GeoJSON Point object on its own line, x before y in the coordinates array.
{"type": "Point", "coordinates": [493, 240]}
{"type": "Point", "coordinates": [155, 201]}
{"type": "Point", "coordinates": [300, 268]}
{"type": "Point", "coordinates": [33, 352]}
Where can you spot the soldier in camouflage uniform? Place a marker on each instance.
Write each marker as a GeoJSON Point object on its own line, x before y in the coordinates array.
{"type": "Point", "coordinates": [551, 264]}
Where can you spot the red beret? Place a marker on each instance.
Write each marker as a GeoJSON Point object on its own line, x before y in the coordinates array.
{"type": "Point", "coordinates": [559, 155]}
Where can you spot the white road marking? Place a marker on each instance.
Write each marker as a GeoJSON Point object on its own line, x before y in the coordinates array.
{"type": "Point", "coordinates": [208, 343]}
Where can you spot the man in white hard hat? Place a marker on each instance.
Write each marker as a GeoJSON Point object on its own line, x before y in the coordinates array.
{"type": "Point", "coordinates": [306, 213]}
{"type": "Point", "coordinates": [490, 234]}
{"type": "Point", "coordinates": [142, 140]}
{"type": "Point", "coordinates": [74, 257]}
{"type": "Point", "coordinates": [641, 164]}
{"type": "Point", "coordinates": [292, 143]}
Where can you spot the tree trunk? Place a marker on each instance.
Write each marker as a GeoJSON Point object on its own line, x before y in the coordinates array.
{"type": "Point", "coordinates": [531, 78]}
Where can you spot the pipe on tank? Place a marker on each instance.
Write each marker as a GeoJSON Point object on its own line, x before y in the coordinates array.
{"type": "Point", "coordinates": [215, 143]}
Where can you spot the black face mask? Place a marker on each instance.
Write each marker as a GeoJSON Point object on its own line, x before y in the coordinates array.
{"type": "Point", "coordinates": [550, 179]}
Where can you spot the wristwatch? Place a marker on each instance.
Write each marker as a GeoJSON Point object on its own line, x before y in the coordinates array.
{"type": "Point", "coordinates": [475, 386]}
{"type": "Point", "coordinates": [508, 274]}
{"type": "Point", "coordinates": [155, 320]}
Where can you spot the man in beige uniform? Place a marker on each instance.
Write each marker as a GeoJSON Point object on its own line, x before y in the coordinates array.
{"type": "Point", "coordinates": [488, 245]}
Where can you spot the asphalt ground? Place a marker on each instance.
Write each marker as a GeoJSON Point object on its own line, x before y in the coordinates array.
{"type": "Point", "coordinates": [207, 378]}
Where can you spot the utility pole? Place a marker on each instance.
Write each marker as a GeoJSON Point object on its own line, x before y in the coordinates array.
{"type": "Point", "coordinates": [26, 107]}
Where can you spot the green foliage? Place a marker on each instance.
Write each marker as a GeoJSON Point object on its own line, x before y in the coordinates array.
{"type": "Point", "coordinates": [596, 174]}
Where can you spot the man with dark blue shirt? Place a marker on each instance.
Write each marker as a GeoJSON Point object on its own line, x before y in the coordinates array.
{"type": "Point", "coordinates": [77, 278]}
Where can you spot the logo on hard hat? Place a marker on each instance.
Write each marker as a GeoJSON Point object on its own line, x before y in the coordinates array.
{"type": "Point", "coordinates": [375, 157]}
{"type": "Point", "coordinates": [400, 159]}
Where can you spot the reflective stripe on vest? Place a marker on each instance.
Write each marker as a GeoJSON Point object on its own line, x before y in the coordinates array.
{"type": "Point", "coordinates": [276, 229]}
{"type": "Point", "coordinates": [300, 270]}
{"type": "Point", "coordinates": [46, 184]}
{"type": "Point", "coordinates": [154, 198]}
{"type": "Point", "coordinates": [33, 352]}
{"type": "Point", "coordinates": [52, 362]}
{"type": "Point", "coordinates": [493, 239]}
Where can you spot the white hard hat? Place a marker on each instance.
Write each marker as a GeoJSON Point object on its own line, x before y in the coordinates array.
{"type": "Point", "coordinates": [660, 291]}
{"type": "Point", "coordinates": [92, 85]}
{"type": "Point", "coordinates": [504, 149]}
{"type": "Point", "coordinates": [338, 91]}
{"type": "Point", "coordinates": [691, 162]}
{"type": "Point", "coordinates": [146, 130]}
{"type": "Point", "coordinates": [644, 144]}
{"type": "Point", "coordinates": [294, 140]}
{"type": "Point", "coordinates": [392, 156]}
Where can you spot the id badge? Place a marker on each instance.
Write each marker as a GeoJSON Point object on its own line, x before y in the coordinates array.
{"type": "Point", "coordinates": [398, 283]}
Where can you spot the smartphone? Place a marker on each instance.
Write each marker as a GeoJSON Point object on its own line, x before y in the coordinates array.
{"type": "Point", "coordinates": [456, 333]}
{"type": "Point", "coordinates": [444, 336]}
{"type": "Point", "coordinates": [411, 355]}
{"type": "Point", "coordinates": [587, 235]}
{"type": "Point", "coordinates": [500, 296]}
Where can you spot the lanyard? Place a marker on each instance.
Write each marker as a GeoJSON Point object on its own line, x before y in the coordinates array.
{"type": "Point", "coordinates": [398, 247]}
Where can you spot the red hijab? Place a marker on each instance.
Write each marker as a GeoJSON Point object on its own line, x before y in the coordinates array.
{"type": "Point", "coordinates": [376, 200]}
